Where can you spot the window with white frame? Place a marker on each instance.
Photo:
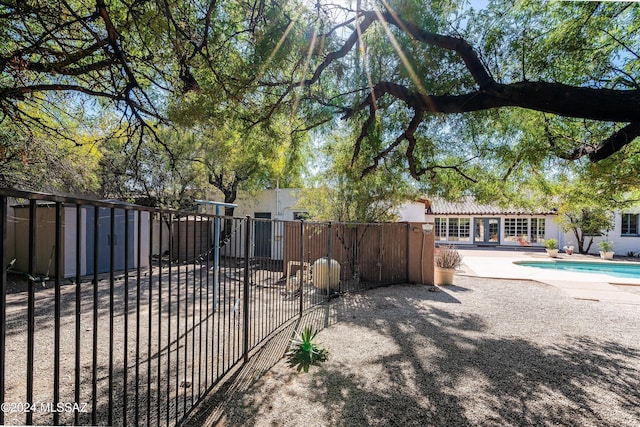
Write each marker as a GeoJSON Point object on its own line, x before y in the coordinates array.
{"type": "Point", "coordinates": [465, 229]}
{"type": "Point", "coordinates": [440, 228]}
{"type": "Point", "coordinates": [517, 227]}
{"type": "Point", "coordinates": [629, 224]}
{"type": "Point", "coordinates": [453, 229]}
{"type": "Point", "coordinates": [459, 229]}
{"type": "Point", "coordinates": [537, 229]}
{"type": "Point", "coordinates": [509, 229]}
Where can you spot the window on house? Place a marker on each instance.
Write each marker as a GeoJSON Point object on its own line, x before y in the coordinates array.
{"type": "Point", "coordinates": [453, 229]}
{"type": "Point", "coordinates": [629, 225]}
{"type": "Point", "coordinates": [516, 227]}
{"type": "Point", "coordinates": [510, 233]}
{"type": "Point", "coordinates": [440, 228]}
{"type": "Point", "coordinates": [537, 229]}
{"type": "Point", "coordinates": [465, 229]}
{"type": "Point", "coordinates": [459, 229]}
{"type": "Point", "coordinates": [509, 229]}
{"type": "Point", "coordinates": [522, 227]}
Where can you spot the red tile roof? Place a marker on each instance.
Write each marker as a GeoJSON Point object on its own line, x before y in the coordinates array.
{"type": "Point", "coordinates": [468, 206]}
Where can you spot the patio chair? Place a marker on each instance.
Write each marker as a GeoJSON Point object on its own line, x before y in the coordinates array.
{"type": "Point", "coordinates": [523, 242]}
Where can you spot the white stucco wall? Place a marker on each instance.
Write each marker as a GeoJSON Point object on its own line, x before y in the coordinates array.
{"type": "Point", "coordinates": [411, 212]}
{"type": "Point", "coordinates": [621, 244]}
{"type": "Point", "coordinates": [280, 203]}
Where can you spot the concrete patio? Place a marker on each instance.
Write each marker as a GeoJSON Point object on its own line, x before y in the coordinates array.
{"type": "Point", "coordinates": [499, 264]}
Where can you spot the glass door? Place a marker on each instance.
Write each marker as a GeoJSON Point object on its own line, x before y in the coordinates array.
{"type": "Point", "coordinates": [486, 230]}
{"type": "Point", "coordinates": [478, 235]}
{"type": "Point", "coordinates": [494, 230]}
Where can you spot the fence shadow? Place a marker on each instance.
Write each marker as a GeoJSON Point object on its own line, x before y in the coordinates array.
{"type": "Point", "coordinates": [199, 294]}
{"type": "Point", "coordinates": [445, 368]}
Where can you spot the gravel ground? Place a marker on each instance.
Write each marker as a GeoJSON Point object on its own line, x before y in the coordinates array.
{"type": "Point", "coordinates": [483, 352]}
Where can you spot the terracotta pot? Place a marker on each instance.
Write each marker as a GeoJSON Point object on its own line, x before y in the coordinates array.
{"type": "Point", "coordinates": [443, 276]}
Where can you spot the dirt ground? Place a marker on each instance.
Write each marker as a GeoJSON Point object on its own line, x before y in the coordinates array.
{"type": "Point", "coordinates": [483, 352]}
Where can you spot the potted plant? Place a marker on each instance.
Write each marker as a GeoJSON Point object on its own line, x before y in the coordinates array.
{"type": "Point", "coordinates": [606, 249]}
{"type": "Point", "coordinates": [447, 260]}
{"type": "Point", "coordinates": [552, 247]}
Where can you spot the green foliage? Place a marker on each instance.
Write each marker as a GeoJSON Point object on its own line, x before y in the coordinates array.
{"type": "Point", "coordinates": [152, 173]}
{"type": "Point", "coordinates": [606, 246]}
{"type": "Point", "coordinates": [31, 159]}
{"type": "Point", "coordinates": [551, 244]}
{"type": "Point", "coordinates": [304, 353]}
{"type": "Point", "coordinates": [203, 94]}
{"type": "Point", "coordinates": [233, 152]}
{"type": "Point", "coordinates": [585, 222]}
{"type": "Point", "coordinates": [342, 194]}
{"type": "Point", "coordinates": [502, 155]}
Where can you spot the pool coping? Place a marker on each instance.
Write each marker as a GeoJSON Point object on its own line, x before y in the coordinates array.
{"type": "Point", "coordinates": [499, 264]}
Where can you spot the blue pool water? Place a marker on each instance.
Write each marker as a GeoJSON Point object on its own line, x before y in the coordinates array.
{"type": "Point", "coordinates": [628, 271]}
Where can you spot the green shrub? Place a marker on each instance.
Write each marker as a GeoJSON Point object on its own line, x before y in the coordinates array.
{"type": "Point", "coordinates": [606, 246]}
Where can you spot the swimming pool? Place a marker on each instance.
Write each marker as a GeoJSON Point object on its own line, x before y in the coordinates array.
{"type": "Point", "coordinates": [622, 270]}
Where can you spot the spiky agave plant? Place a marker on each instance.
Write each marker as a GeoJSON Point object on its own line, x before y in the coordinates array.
{"type": "Point", "coordinates": [304, 352]}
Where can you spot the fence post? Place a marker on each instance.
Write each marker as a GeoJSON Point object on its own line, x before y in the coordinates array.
{"type": "Point", "coordinates": [31, 306]}
{"type": "Point", "coordinates": [407, 258]}
{"type": "Point", "coordinates": [302, 274]}
{"type": "Point", "coordinates": [247, 243]}
{"type": "Point", "coordinates": [56, 332]}
{"type": "Point", "coordinates": [3, 282]}
{"type": "Point", "coordinates": [329, 261]}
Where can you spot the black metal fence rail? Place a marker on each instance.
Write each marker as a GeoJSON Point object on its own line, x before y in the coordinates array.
{"type": "Point", "coordinates": [118, 314]}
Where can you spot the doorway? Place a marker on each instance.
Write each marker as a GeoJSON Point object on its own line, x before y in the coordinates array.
{"type": "Point", "coordinates": [262, 235]}
{"type": "Point", "coordinates": [486, 231]}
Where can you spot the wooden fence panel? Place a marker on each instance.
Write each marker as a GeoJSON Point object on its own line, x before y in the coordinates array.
{"type": "Point", "coordinates": [368, 253]}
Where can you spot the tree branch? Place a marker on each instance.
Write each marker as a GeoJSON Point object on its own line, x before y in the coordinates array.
{"type": "Point", "coordinates": [607, 105]}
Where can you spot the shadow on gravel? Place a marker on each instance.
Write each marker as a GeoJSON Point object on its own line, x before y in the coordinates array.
{"type": "Point", "coordinates": [449, 371]}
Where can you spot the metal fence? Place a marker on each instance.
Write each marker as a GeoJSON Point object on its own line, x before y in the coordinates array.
{"type": "Point", "coordinates": [119, 314]}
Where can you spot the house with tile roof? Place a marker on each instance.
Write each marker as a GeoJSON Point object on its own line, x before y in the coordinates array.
{"type": "Point", "coordinates": [469, 223]}
{"type": "Point", "coordinates": [472, 223]}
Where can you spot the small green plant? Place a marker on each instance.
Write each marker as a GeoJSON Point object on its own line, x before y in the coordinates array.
{"type": "Point", "coordinates": [304, 352]}
{"type": "Point", "coordinates": [606, 246]}
{"type": "Point", "coordinates": [551, 244]}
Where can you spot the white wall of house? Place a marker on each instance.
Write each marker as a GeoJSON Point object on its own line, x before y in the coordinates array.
{"type": "Point", "coordinates": [503, 230]}
{"type": "Point", "coordinates": [411, 212]}
{"type": "Point", "coordinates": [625, 234]}
{"type": "Point", "coordinates": [279, 204]}
{"type": "Point", "coordinates": [462, 231]}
